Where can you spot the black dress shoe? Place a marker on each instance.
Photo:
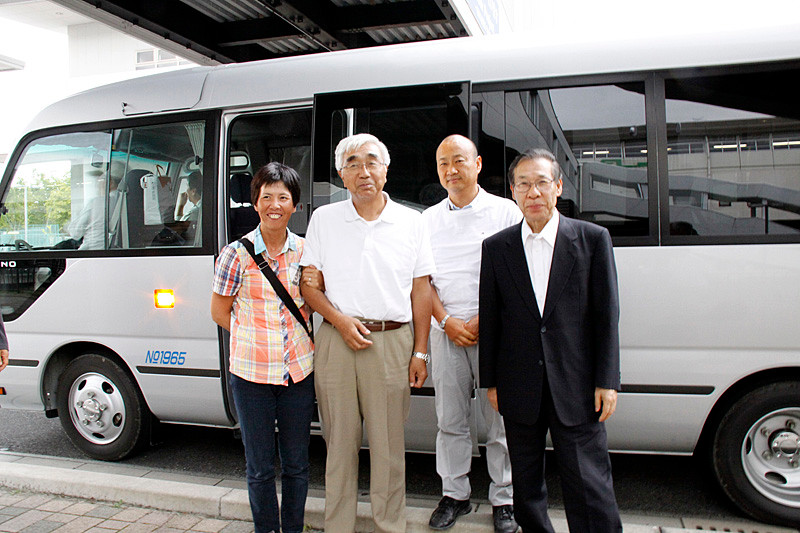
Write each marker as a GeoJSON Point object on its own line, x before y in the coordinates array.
{"type": "Point", "coordinates": [503, 516]}
{"type": "Point", "coordinates": [445, 514]}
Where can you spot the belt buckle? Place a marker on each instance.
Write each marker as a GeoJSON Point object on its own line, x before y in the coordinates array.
{"type": "Point", "coordinates": [380, 324]}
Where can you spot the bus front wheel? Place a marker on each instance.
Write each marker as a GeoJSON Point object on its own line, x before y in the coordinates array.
{"type": "Point", "coordinates": [101, 409]}
{"type": "Point", "coordinates": [756, 453]}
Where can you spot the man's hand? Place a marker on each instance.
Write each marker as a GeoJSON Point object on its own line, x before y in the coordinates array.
{"type": "Point", "coordinates": [491, 395]}
{"type": "Point", "coordinates": [417, 372]}
{"type": "Point", "coordinates": [3, 359]}
{"type": "Point", "coordinates": [458, 332]}
{"type": "Point", "coordinates": [313, 278]}
{"type": "Point", "coordinates": [607, 400]}
{"type": "Point", "coordinates": [182, 199]}
{"type": "Point", "coordinates": [472, 326]}
{"type": "Point", "coordinates": [353, 332]}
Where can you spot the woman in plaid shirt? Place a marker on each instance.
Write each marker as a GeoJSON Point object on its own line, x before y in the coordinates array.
{"type": "Point", "coordinates": [271, 361]}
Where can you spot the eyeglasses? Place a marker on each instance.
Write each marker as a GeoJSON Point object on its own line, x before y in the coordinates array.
{"type": "Point", "coordinates": [371, 166]}
{"type": "Point", "coordinates": [542, 186]}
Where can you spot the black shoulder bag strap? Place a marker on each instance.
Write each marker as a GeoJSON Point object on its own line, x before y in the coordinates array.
{"type": "Point", "coordinates": [280, 290]}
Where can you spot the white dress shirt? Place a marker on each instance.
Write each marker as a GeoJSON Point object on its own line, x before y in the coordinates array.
{"type": "Point", "coordinates": [369, 266]}
{"type": "Point", "coordinates": [539, 255]}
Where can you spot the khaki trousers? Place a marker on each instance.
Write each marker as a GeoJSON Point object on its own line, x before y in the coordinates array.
{"type": "Point", "coordinates": [368, 385]}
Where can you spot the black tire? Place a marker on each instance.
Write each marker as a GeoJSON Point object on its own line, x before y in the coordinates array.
{"type": "Point", "coordinates": [101, 409]}
{"type": "Point", "coordinates": [764, 484]}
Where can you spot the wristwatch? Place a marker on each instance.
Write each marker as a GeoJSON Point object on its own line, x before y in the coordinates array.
{"type": "Point", "coordinates": [421, 355]}
{"type": "Point", "coordinates": [443, 321]}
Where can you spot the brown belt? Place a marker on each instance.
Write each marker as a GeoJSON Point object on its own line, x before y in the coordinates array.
{"type": "Point", "coordinates": [377, 325]}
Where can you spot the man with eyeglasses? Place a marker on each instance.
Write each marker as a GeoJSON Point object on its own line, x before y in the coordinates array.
{"type": "Point", "coordinates": [457, 225]}
{"type": "Point", "coordinates": [376, 259]}
{"type": "Point", "coordinates": [549, 349]}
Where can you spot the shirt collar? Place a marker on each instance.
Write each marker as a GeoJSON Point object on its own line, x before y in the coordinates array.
{"type": "Point", "coordinates": [548, 233]}
{"type": "Point", "coordinates": [389, 214]}
{"type": "Point", "coordinates": [475, 201]}
{"type": "Point", "coordinates": [260, 247]}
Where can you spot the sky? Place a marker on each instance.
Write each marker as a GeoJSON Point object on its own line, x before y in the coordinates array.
{"type": "Point", "coordinates": [24, 92]}
{"type": "Point", "coordinates": [44, 79]}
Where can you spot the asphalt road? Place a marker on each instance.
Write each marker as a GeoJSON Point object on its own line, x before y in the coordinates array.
{"type": "Point", "coordinates": [647, 485]}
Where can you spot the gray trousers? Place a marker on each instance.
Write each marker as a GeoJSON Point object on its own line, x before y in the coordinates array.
{"type": "Point", "coordinates": [454, 370]}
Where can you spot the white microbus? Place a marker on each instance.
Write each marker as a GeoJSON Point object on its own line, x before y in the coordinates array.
{"type": "Point", "coordinates": [685, 146]}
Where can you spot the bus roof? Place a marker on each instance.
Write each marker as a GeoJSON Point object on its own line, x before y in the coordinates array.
{"type": "Point", "coordinates": [551, 53]}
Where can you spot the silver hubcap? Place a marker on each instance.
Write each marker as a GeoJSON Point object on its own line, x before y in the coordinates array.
{"type": "Point", "coordinates": [98, 409]}
{"type": "Point", "coordinates": [771, 456]}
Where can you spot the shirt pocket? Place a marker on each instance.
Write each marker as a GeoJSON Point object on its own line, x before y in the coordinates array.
{"type": "Point", "coordinates": [293, 275]}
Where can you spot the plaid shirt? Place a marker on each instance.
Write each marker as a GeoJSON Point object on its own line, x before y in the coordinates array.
{"type": "Point", "coordinates": [268, 345]}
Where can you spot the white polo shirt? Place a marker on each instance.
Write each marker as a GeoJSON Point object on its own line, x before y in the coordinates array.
{"type": "Point", "coordinates": [456, 237]}
{"type": "Point", "coordinates": [369, 267]}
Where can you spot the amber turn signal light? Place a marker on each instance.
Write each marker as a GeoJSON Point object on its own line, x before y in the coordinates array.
{"type": "Point", "coordinates": [164, 298]}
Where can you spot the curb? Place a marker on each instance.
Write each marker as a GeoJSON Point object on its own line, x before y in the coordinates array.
{"type": "Point", "coordinates": [218, 502]}
{"type": "Point", "coordinates": [233, 503]}
{"type": "Point", "coordinates": [160, 494]}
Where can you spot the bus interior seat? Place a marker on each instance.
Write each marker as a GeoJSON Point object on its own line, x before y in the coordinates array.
{"type": "Point", "coordinates": [243, 218]}
{"type": "Point", "coordinates": [138, 234]}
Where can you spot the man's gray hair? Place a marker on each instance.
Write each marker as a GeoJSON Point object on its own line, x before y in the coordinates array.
{"type": "Point", "coordinates": [354, 142]}
{"type": "Point", "coordinates": [535, 153]}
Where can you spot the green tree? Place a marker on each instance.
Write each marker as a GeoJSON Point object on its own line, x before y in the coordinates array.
{"type": "Point", "coordinates": [48, 202]}
{"type": "Point", "coordinates": [58, 206]}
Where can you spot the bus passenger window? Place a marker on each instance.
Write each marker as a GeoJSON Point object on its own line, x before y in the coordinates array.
{"type": "Point", "coordinates": [161, 196]}
{"type": "Point", "coordinates": [601, 148]}
{"type": "Point", "coordinates": [733, 155]}
{"type": "Point", "coordinates": [605, 146]}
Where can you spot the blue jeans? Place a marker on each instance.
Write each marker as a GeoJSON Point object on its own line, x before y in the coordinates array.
{"type": "Point", "coordinates": [259, 406]}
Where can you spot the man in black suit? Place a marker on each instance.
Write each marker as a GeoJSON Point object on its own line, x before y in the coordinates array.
{"type": "Point", "coordinates": [549, 349]}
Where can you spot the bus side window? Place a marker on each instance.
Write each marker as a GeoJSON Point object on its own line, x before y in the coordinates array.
{"type": "Point", "coordinates": [601, 149]}
{"type": "Point", "coordinates": [102, 190]}
{"type": "Point", "coordinates": [158, 205]}
{"type": "Point", "coordinates": [733, 155]}
{"type": "Point", "coordinates": [59, 194]}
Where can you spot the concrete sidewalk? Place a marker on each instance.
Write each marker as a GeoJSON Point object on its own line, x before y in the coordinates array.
{"type": "Point", "coordinates": [40, 494]}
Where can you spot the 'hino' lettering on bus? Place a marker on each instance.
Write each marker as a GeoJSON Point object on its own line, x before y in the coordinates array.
{"type": "Point", "coordinates": [165, 357]}
{"type": "Point", "coordinates": [9, 264]}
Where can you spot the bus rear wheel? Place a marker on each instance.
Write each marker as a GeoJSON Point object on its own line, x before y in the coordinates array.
{"type": "Point", "coordinates": [101, 409]}
{"type": "Point", "coordinates": [756, 453]}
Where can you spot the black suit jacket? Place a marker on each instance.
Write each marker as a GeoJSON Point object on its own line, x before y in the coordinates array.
{"type": "Point", "coordinates": [576, 341]}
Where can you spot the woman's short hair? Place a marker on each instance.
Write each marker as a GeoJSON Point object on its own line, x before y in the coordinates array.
{"type": "Point", "coordinates": [354, 142]}
{"type": "Point", "coordinates": [535, 153]}
{"type": "Point", "coordinates": [275, 172]}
